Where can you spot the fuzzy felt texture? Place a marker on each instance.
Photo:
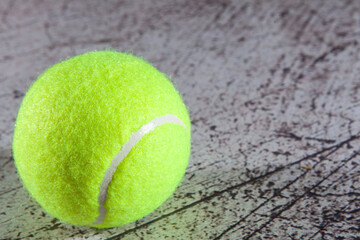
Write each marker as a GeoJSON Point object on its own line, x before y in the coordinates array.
{"type": "Point", "coordinates": [74, 120]}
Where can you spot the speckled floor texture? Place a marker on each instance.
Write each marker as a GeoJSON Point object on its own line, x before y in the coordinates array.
{"type": "Point", "coordinates": [273, 92]}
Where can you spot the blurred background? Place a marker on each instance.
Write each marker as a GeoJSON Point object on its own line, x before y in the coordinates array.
{"type": "Point", "coordinates": [272, 88]}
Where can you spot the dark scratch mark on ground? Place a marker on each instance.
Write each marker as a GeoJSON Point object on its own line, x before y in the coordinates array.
{"type": "Point", "coordinates": [292, 203]}
{"type": "Point", "coordinates": [269, 199]}
{"type": "Point", "coordinates": [334, 50]}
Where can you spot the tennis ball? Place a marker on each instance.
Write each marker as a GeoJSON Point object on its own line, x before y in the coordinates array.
{"type": "Point", "coordinates": [101, 139]}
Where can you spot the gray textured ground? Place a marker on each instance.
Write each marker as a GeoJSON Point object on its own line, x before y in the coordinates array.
{"type": "Point", "coordinates": [273, 92]}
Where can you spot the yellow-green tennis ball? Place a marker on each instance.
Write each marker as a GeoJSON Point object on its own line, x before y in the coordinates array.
{"type": "Point", "coordinates": [101, 139]}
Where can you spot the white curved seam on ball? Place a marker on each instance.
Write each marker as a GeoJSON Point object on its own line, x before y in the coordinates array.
{"type": "Point", "coordinates": [134, 138]}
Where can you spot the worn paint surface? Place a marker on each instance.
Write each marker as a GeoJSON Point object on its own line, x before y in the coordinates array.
{"type": "Point", "coordinates": [273, 92]}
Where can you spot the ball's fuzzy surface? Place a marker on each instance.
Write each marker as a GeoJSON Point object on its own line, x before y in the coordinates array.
{"type": "Point", "coordinates": [77, 117]}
